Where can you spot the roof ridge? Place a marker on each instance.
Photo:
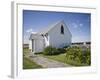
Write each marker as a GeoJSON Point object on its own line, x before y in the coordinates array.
{"type": "Point", "coordinates": [50, 27]}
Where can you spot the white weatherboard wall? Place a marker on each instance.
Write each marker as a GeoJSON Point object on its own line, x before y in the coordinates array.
{"type": "Point", "coordinates": [57, 39]}
{"type": "Point", "coordinates": [53, 37]}
{"type": "Point", "coordinates": [30, 44]}
{"type": "Point", "coordinates": [39, 45]}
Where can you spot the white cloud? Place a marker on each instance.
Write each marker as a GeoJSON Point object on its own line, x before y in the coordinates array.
{"type": "Point", "coordinates": [27, 35]}
{"type": "Point", "coordinates": [74, 25]}
{"type": "Point", "coordinates": [77, 25]}
{"type": "Point", "coordinates": [80, 24]}
{"type": "Point", "coordinates": [29, 30]}
{"type": "Point", "coordinates": [34, 32]}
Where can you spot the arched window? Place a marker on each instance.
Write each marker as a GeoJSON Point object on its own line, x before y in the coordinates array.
{"type": "Point", "coordinates": [62, 29]}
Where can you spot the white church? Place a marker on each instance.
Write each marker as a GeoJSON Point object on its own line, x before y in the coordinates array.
{"type": "Point", "coordinates": [56, 35]}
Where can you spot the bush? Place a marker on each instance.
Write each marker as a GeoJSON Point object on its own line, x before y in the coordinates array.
{"type": "Point", "coordinates": [50, 51]}
{"type": "Point", "coordinates": [38, 53]}
{"type": "Point", "coordinates": [61, 50]}
{"type": "Point", "coordinates": [73, 53]}
{"type": "Point", "coordinates": [87, 56]}
{"type": "Point", "coordinates": [65, 46]}
{"type": "Point", "coordinates": [76, 54]}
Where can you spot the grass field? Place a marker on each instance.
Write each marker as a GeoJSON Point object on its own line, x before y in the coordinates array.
{"type": "Point", "coordinates": [28, 64]}
{"type": "Point", "coordinates": [26, 51]}
{"type": "Point", "coordinates": [62, 58]}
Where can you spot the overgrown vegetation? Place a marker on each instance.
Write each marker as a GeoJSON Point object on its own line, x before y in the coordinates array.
{"type": "Point", "coordinates": [50, 51]}
{"type": "Point", "coordinates": [71, 55]}
{"type": "Point", "coordinates": [38, 53]}
{"type": "Point", "coordinates": [76, 54]}
{"type": "Point", "coordinates": [62, 50]}
{"type": "Point", "coordinates": [53, 51]}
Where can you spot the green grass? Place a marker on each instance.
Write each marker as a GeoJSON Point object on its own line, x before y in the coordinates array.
{"type": "Point", "coordinates": [74, 63]}
{"type": "Point", "coordinates": [62, 58]}
{"type": "Point", "coordinates": [26, 51]}
{"type": "Point", "coordinates": [28, 64]}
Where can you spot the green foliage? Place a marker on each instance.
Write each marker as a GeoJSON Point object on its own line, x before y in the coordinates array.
{"type": "Point", "coordinates": [26, 51]}
{"type": "Point", "coordinates": [61, 50]}
{"type": "Point", "coordinates": [78, 55]}
{"type": "Point", "coordinates": [28, 64]}
{"type": "Point", "coordinates": [87, 56]}
{"type": "Point", "coordinates": [65, 46]}
{"type": "Point", "coordinates": [50, 51]}
{"type": "Point", "coordinates": [73, 53]}
{"type": "Point", "coordinates": [38, 53]}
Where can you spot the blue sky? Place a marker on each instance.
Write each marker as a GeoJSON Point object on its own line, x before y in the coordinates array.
{"type": "Point", "coordinates": [79, 24]}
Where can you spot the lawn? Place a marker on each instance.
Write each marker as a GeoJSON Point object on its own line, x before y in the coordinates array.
{"type": "Point", "coordinates": [74, 55]}
{"type": "Point", "coordinates": [28, 64]}
{"type": "Point", "coordinates": [62, 58]}
{"type": "Point", "coordinates": [26, 51]}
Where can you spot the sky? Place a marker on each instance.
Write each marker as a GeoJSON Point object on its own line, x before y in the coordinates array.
{"type": "Point", "coordinates": [79, 24]}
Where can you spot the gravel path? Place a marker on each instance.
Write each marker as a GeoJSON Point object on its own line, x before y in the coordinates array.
{"type": "Point", "coordinates": [47, 63]}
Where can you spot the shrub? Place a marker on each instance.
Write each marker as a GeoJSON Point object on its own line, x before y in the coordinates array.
{"type": "Point", "coordinates": [65, 46]}
{"type": "Point", "coordinates": [87, 56]}
{"type": "Point", "coordinates": [38, 53]}
{"type": "Point", "coordinates": [76, 54]}
{"type": "Point", "coordinates": [50, 51]}
{"type": "Point", "coordinates": [61, 50]}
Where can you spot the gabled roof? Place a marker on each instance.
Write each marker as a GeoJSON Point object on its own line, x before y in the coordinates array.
{"type": "Point", "coordinates": [35, 36]}
{"type": "Point", "coordinates": [47, 29]}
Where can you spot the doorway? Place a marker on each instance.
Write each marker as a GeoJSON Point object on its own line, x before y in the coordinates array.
{"type": "Point", "coordinates": [32, 45]}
